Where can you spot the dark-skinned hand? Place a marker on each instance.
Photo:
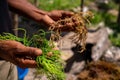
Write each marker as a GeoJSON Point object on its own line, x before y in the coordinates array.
{"type": "Point", "coordinates": [19, 54]}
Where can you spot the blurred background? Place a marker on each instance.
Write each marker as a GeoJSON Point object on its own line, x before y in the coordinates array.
{"type": "Point", "coordinates": [101, 59]}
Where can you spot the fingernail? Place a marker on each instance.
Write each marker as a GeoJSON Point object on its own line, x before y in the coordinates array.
{"type": "Point", "coordinates": [38, 51]}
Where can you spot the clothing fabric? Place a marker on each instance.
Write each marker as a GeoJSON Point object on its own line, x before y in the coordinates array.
{"type": "Point", "coordinates": [8, 70]}
{"type": "Point", "coordinates": [5, 22]}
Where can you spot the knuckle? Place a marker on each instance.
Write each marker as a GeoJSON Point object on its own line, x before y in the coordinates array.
{"type": "Point", "coordinates": [20, 63]}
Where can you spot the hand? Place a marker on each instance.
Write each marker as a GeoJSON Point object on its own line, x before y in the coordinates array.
{"type": "Point", "coordinates": [59, 14]}
{"type": "Point", "coordinates": [40, 16]}
{"type": "Point", "coordinates": [49, 18]}
{"type": "Point", "coordinates": [19, 54]}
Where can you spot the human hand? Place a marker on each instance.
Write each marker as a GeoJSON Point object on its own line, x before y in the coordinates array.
{"type": "Point", "coordinates": [50, 18]}
{"type": "Point", "coordinates": [40, 16]}
{"type": "Point", "coordinates": [19, 54]}
{"type": "Point", "coordinates": [59, 14]}
{"type": "Point", "coordinates": [64, 20]}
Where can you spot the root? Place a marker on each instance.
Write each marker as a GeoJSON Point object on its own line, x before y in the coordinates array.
{"type": "Point", "coordinates": [79, 28]}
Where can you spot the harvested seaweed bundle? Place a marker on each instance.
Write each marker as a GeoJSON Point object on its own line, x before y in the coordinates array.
{"type": "Point", "coordinates": [49, 63]}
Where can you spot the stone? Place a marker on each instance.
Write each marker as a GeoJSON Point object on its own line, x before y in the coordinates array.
{"type": "Point", "coordinates": [99, 38]}
{"type": "Point", "coordinates": [112, 54]}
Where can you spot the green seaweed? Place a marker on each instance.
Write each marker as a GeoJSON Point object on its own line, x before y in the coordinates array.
{"type": "Point", "coordinates": [49, 65]}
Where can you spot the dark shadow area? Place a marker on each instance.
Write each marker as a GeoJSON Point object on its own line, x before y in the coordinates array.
{"type": "Point", "coordinates": [78, 57]}
{"type": "Point", "coordinates": [103, 7]}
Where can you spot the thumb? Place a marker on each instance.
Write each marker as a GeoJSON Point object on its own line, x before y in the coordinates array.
{"type": "Point", "coordinates": [47, 20]}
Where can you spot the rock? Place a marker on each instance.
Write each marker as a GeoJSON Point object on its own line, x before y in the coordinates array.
{"type": "Point", "coordinates": [113, 12]}
{"type": "Point", "coordinates": [109, 56]}
{"type": "Point", "coordinates": [77, 9]}
{"type": "Point", "coordinates": [77, 67]}
{"type": "Point", "coordinates": [110, 31]}
{"type": "Point", "coordinates": [74, 60]}
{"type": "Point", "coordinates": [71, 77]}
{"type": "Point", "coordinates": [112, 54]}
{"type": "Point", "coordinates": [32, 75]}
{"type": "Point", "coordinates": [101, 42]}
{"type": "Point", "coordinates": [65, 44]}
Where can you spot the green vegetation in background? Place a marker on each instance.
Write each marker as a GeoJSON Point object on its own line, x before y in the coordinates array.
{"type": "Point", "coordinates": [115, 39]}
{"type": "Point", "coordinates": [105, 17]}
{"type": "Point", "coordinates": [70, 4]}
{"type": "Point", "coordinates": [49, 5]}
{"type": "Point", "coordinates": [58, 4]}
{"type": "Point", "coordinates": [110, 21]}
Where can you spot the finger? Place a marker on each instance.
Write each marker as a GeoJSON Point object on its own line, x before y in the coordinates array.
{"type": "Point", "coordinates": [67, 13]}
{"type": "Point", "coordinates": [54, 27]}
{"type": "Point", "coordinates": [26, 63]}
{"type": "Point", "coordinates": [68, 27]}
{"type": "Point", "coordinates": [76, 23]}
{"type": "Point", "coordinates": [47, 20]}
{"type": "Point", "coordinates": [33, 52]}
